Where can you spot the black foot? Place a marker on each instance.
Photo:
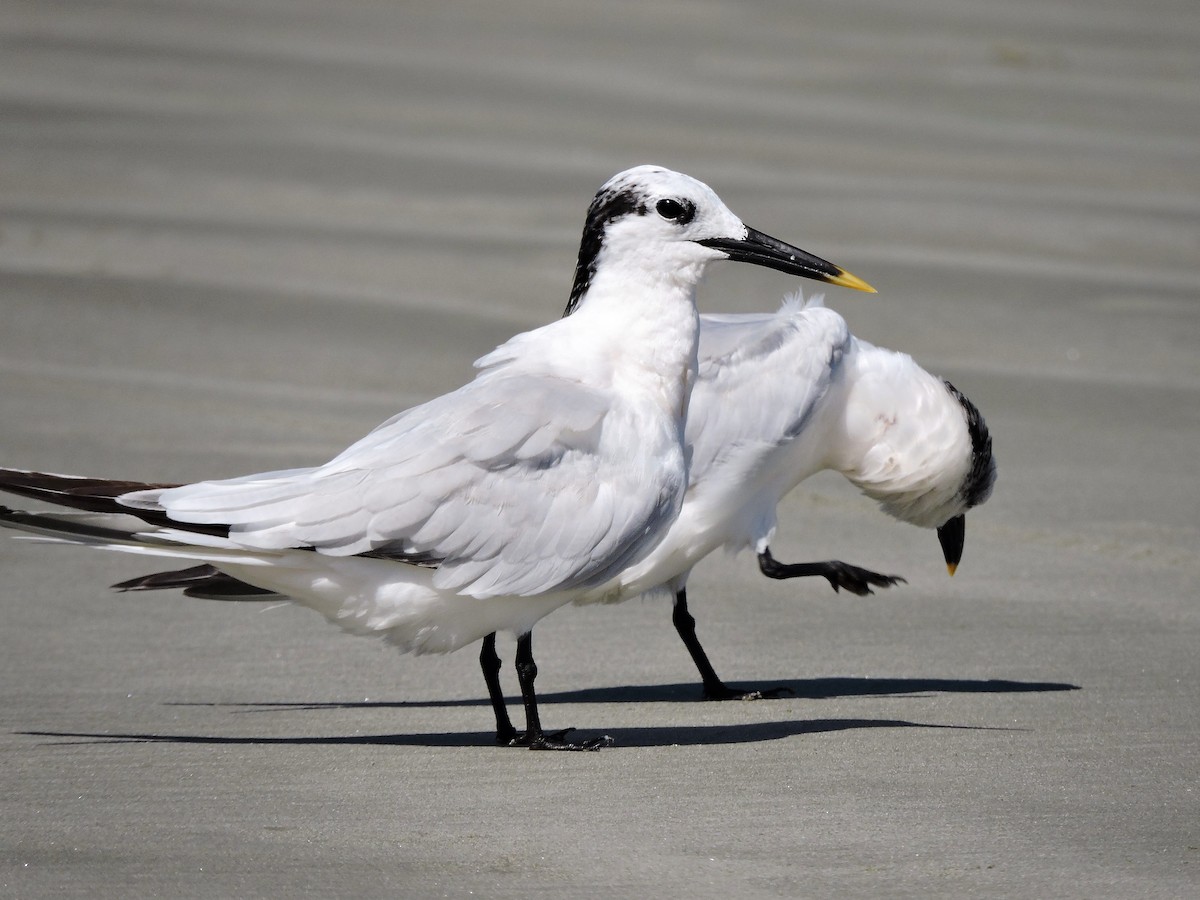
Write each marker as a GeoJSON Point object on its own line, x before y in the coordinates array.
{"type": "Point", "coordinates": [508, 738]}
{"type": "Point", "coordinates": [722, 691]}
{"type": "Point", "coordinates": [839, 574]}
{"type": "Point", "coordinates": [556, 740]}
{"type": "Point", "coordinates": [548, 743]}
{"type": "Point", "coordinates": [534, 737]}
{"type": "Point", "coordinates": [856, 580]}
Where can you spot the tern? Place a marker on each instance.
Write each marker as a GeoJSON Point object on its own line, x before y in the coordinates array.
{"type": "Point", "coordinates": [536, 484]}
{"type": "Point", "coordinates": [780, 397]}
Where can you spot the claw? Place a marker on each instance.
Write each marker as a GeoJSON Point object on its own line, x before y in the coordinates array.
{"type": "Point", "coordinates": [858, 581]}
{"type": "Point", "coordinates": [521, 738]}
{"type": "Point", "coordinates": [555, 740]}
{"type": "Point", "coordinates": [547, 743]}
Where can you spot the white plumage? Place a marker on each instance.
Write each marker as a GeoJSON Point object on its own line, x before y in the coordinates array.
{"type": "Point", "coordinates": [780, 397]}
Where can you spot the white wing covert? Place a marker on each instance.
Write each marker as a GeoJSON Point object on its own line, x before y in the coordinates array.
{"type": "Point", "coordinates": [760, 379]}
{"type": "Point", "coordinates": [503, 484]}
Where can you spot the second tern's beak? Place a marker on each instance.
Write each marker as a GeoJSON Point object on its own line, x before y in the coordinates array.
{"type": "Point", "coordinates": [763, 250]}
{"type": "Point", "coordinates": [952, 535]}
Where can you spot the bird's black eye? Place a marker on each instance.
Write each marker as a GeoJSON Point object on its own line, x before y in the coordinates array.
{"type": "Point", "coordinates": [675, 210]}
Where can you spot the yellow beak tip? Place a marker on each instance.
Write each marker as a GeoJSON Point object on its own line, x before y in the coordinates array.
{"type": "Point", "coordinates": [846, 280]}
{"type": "Point", "coordinates": [951, 568]}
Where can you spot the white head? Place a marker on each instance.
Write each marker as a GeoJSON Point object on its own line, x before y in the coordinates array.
{"type": "Point", "coordinates": [923, 449]}
{"type": "Point", "coordinates": [649, 223]}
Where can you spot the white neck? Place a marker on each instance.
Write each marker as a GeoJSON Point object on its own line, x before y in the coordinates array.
{"type": "Point", "coordinates": [645, 323]}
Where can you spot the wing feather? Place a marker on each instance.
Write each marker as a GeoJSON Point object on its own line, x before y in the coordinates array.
{"type": "Point", "coordinates": [511, 483]}
{"type": "Point", "coordinates": [760, 379]}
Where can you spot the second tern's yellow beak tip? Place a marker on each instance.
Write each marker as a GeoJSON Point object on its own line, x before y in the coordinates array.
{"type": "Point", "coordinates": [846, 280]}
{"type": "Point", "coordinates": [951, 568]}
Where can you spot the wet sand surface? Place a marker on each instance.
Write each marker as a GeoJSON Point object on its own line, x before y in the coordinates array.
{"type": "Point", "coordinates": [235, 236]}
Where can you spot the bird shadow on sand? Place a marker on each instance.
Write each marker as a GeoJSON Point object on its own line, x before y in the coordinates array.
{"type": "Point", "coordinates": [793, 689]}
{"type": "Point", "coordinates": [676, 735]}
{"type": "Point", "coordinates": [666, 736]}
{"type": "Point", "coordinates": [808, 689]}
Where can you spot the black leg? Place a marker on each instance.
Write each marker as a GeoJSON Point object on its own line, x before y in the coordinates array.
{"type": "Point", "coordinates": [489, 661]}
{"type": "Point", "coordinates": [714, 687]}
{"type": "Point", "coordinates": [837, 573]}
{"type": "Point", "coordinates": [526, 675]}
{"type": "Point", "coordinates": [535, 738]}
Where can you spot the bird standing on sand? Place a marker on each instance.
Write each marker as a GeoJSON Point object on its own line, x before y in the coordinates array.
{"type": "Point", "coordinates": [780, 397]}
{"type": "Point", "coordinates": [559, 466]}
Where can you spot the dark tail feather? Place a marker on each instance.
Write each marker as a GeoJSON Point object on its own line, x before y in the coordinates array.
{"type": "Point", "coordinates": [204, 582]}
{"type": "Point", "coordinates": [93, 495]}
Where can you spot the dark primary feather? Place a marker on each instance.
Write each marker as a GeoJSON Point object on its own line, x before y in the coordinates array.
{"type": "Point", "coordinates": [52, 526]}
{"type": "Point", "coordinates": [100, 495]}
{"type": "Point", "coordinates": [93, 495]}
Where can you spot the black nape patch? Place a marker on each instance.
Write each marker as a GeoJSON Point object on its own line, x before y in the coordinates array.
{"type": "Point", "coordinates": [979, 481]}
{"type": "Point", "coordinates": [606, 207]}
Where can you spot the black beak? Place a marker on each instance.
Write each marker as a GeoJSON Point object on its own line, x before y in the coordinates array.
{"type": "Point", "coordinates": [952, 535]}
{"type": "Point", "coordinates": [763, 250]}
